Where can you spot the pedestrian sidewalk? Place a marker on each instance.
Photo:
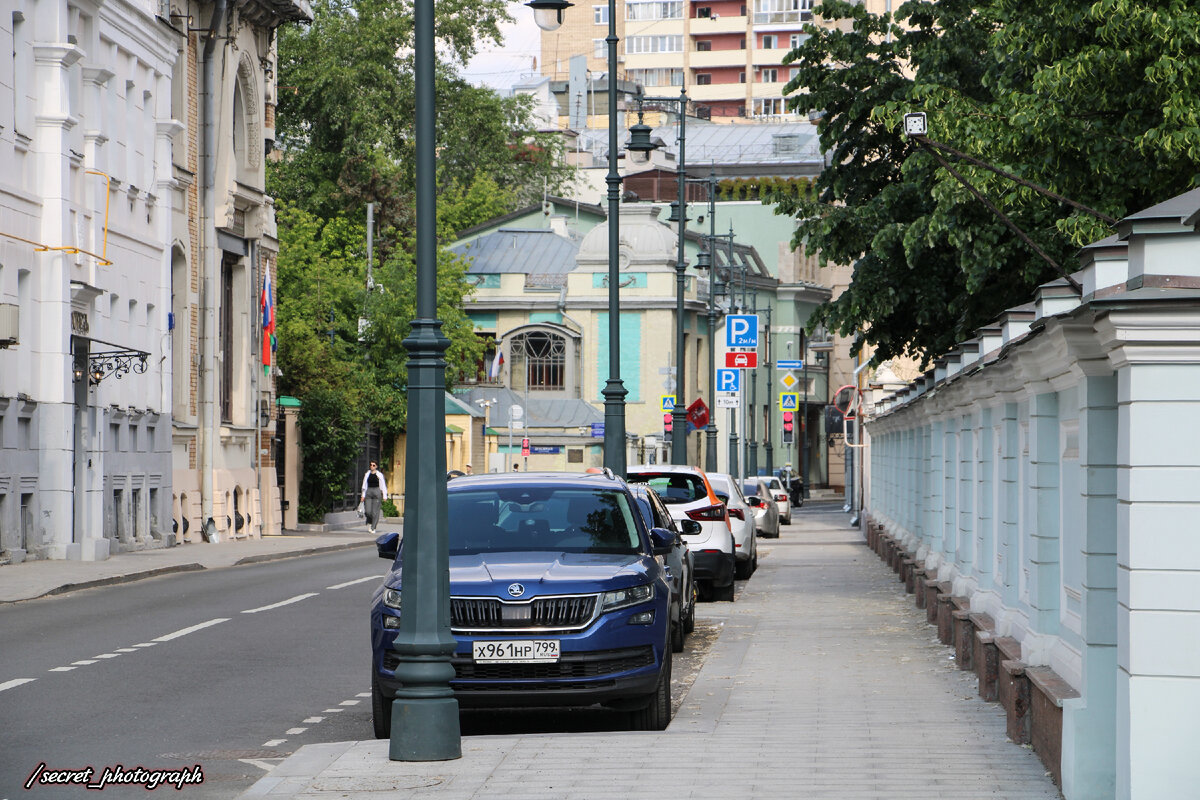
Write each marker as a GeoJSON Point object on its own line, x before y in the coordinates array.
{"type": "Point", "coordinates": [824, 683]}
{"type": "Point", "coordinates": [32, 579]}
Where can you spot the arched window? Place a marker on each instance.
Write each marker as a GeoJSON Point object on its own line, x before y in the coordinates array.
{"type": "Point", "coordinates": [541, 359]}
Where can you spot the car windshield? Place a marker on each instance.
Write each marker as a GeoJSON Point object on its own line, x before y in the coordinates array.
{"type": "Point", "coordinates": [721, 487]}
{"type": "Point", "coordinates": [673, 487]}
{"type": "Point", "coordinates": [749, 488]}
{"type": "Point", "coordinates": [529, 519]}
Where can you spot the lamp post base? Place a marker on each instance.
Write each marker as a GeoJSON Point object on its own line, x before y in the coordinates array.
{"type": "Point", "coordinates": [425, 729]}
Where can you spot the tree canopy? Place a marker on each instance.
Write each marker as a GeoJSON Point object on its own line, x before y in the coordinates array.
{"type": "Point", "coordinates": [1094, 101]}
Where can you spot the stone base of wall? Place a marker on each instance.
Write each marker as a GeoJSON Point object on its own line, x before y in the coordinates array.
{"type": "Point", "coordinates": [1031, 696]}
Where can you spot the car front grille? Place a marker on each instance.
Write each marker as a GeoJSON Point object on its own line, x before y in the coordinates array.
{"type": "Point", "coordinates": [544, 613]}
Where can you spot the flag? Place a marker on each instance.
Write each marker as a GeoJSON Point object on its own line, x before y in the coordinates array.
{"type": "Point", "coordinates": [497, 363]}
{"type": "Point", "coordinates": [267, 305]}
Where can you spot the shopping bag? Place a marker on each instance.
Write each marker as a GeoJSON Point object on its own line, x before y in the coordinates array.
{"type": "Point", "coordinates": [361, 511]}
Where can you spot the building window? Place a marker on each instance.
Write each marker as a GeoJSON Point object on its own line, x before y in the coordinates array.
{"type": "Point", "coordinates": [227, 359]}
{"type": "Point", "coordinates": [768, 76]}
{"type": "Point", "coordinates": [769, 41]}
{"type": "Point", "coordinates": [704, 13]}
{"type": "Point", "coordinates": [660, 76]}
{"type": "Point", "coordinates": [600, 15]}
{"type": "Point", "coordinates": [653, 9]}
{"type": "Point", "coordinates": [703, 79]}
{"type": "Point", "coordinates": [599, 48]}
{"type": "Point", "coordinates": [635, 45]}
{"type": "Point", "coordinates": [768, 106]}
{"type": "Point", "coordinates": [542, 358]}
{"type": "Point", "coordinates": [742, 43]}
{"type": "Point", "coordinates": [741, 79]}
{"type": "Point", "coordinates": [703, 46]}
{"type": "Point", "coordinates": [797, 39]}
{"type": "Point", "coordinates": [779, 12]}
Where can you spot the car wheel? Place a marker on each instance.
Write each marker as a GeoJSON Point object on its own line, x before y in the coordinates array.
{"type": "Point", "coordinates": [677, 636]}
{"type": "Point", "coordinates": [381, 710]}
{"type": "Point", "coordinates": [657, 713]}
{"type": "Point", "coordinates": [689, 620]}
{"type": "Point", "coordinates": [723, 592]}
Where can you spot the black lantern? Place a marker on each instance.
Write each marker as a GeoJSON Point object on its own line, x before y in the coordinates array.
{"type": "Point", "coordinates": [548, 14]}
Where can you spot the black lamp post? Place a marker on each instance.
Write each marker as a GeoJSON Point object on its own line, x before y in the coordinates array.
{"type": "Point", "coordinates": [548, 15]}
{"type": "Point", "coordinates": [639, 141]}
{"type": "Point", "coordinates": [424, 712]}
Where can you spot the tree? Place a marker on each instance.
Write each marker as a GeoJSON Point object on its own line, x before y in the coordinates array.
{"type": "Point", "coordinates": [1095, 102]}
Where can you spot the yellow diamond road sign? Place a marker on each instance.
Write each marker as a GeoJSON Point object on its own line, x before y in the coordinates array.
{"type": "Point", "coordinates": [789, 380]}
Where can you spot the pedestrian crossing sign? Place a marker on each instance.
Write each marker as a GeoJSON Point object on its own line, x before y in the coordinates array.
{"type": "Point", "coordinates": [789, 401]}
{"type": "Point", "coordinates": [668, 403]}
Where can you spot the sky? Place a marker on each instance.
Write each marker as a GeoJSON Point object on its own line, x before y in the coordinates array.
{"type": "Point", "coordinates": [513, 61]}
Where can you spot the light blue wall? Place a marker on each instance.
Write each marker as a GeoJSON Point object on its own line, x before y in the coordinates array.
{"type": "Point", "coordinates": [631, 354]}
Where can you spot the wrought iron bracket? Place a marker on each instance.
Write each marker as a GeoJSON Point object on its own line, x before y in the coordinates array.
{"type": "Point", "coordinates": [115, 362]}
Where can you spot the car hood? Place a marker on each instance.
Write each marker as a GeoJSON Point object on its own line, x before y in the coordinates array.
{"type": "Point", "coordinates": [542, 572]}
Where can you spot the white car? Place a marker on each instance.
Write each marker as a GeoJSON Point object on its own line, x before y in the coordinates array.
{"type": "Point", "coordinates": [780, 496]}
{"type": "Point", "coordinates": [741, 522]}
{"type": "Point", "coordinates": [687, 494]}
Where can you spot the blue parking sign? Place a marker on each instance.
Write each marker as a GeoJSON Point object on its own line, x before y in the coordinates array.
{"type": "Point", "coordinates": [741, 330]}
{"type": "Point", "coordinates": [729, 380]}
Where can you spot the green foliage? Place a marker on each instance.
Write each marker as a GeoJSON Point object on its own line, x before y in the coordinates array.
{"type": "Point", "coordinates": [388, 509]}
{"type": "Point", "coordinates": [330, 437]}
{"type": "Point", "coordinates": [1093, 101]}
{"type": "Point", "coordinates": [767, 189]}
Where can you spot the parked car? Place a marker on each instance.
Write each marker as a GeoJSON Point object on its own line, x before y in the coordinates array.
{"type": "Point", "coordinates": [680, 562]}
{"type": "Point", "coordinates": [557, 598]}
{"type": "Point", "coordinates": [780, 495]}
{"type": "Point", "coordinates": [741, 522]}
{"type": "Point", "coordinates": [687, 494]}
{"type": "Point", "coordinates": [766, 512]}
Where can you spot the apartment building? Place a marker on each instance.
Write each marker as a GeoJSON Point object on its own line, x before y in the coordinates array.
{"type": "Point", "coordinates": [728, 53]}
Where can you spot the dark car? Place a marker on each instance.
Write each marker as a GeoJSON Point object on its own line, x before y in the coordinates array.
{"type": "Point", "coordinates": [680, 562]}
{"type": "Point", "coordinates": [556, 599]}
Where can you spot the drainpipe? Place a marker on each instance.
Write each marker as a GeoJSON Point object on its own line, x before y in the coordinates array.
{"type": "Point", "coordinates": [208, 282]}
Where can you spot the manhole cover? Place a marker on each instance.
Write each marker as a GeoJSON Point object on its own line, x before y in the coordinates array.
{"type": "Point", "coordinates": [375, 784]}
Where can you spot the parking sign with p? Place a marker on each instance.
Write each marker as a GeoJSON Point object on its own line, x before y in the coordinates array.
{"type": "Point", "coordinates": [741, 330]}
{"type": "Point", "coordinates": [729, 380]}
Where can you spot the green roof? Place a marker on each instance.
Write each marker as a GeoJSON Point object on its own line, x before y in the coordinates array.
{"type": "Point", "coordinates": [453, 429]}
{"type": "Point", "coordinates": [288, 402]}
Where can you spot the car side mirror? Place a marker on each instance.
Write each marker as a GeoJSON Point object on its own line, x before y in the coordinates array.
{"type": "Point", "coordinates": [388, 545]}
{"type": "Point", "coordinates": [662, 540]}
{"type": "Point", "coordinates": [754, 501]}
{"type": "Point", "coordinates": [690, 527]}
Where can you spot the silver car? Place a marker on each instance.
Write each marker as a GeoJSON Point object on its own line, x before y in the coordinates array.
{"type": "Point", "coordinates": [780, 495]}
{"type": "Point", "coordinates": [766, 512]}
{"type": "Point", "coordinates": [741, 523]}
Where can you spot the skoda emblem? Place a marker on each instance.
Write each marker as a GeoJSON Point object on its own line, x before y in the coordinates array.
{"type": "Point", "coordinates": [516, 590]}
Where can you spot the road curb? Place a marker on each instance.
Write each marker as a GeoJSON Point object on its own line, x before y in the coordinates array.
{"type": "Point", "coordinates": [115, 579]}
{"type": "Point", "coordinates": [296, 553]}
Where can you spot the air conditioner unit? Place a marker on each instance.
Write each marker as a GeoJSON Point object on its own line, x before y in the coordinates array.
{"type": "Point", "coordinates": [9, 325]}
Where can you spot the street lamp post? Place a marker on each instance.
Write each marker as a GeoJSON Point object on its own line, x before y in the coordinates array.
{"type": "Point", "coordinates": [705, 260]}
{"type": "Point", "coordinates": [639, 141]}
{"type": "Point", "coordinates": [425, 713]}
{"type": "Point", "coordinates": [548, 15]}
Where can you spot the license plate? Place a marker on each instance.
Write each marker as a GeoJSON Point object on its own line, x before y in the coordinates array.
{"type": "Point", "coordinates": [517, 651]}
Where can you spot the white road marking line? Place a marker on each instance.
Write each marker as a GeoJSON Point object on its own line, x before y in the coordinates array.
{"type": "Point", "coordinates": [126, 649]}
{"type": "Point", "coordinates": [287, 602]}
{"type": "Point", "coordinates": [83, 663]}
{"type": "Point", "coordinates": [15, 682]}
{"type": "Point", "coordinates": [295, 731]}
{"type": "Point", "coordinates": [192, 629]}
{"type": "Point", "coordinates": [333, 711]}
{"type": "Point", "coordinates": [349, 702]}
{"type": "Point", "coordinates": [145, 644]}
{"type": "Point", "coordinates": [274, 743]}
{"type": "Point", "coordinates": [353, 583]}
{"type": "Point", "coordinates": [258, 762]}
{"type": "Point", "coordinates": [363, 694]}
{"type": "Point", "coordinates": [108, 655]}
{"type": "Point", "coordinates": [309, 721]}
{"type": "Point", "coordinates": [61, 669]}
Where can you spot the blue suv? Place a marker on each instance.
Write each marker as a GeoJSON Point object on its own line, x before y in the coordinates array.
{"type": "Point", "coordinates": [556, 599]}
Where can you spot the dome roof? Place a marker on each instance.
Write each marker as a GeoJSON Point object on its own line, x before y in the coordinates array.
{"type": "Point", "coordinates": [644, 239]}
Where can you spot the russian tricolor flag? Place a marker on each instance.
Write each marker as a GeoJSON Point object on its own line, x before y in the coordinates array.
{"type": "Point", "coordinates": [267, 304]}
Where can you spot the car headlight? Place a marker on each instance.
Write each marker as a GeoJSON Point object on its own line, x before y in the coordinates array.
{"type": "Point", "coordinates": [391, 598]}
{"type": "Point", "coordinates": [622, 598]}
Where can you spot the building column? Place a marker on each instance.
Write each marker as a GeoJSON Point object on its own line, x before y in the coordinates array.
{"type": "Point", "coordinates": [1045, 578]}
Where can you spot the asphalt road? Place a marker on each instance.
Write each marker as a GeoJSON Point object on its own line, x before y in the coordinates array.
{"type": "Point", "coordinates": [231, 669]}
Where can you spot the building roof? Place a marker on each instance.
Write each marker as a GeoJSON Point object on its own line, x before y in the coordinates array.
{"type": "Point", "coordinates": [456, 407]}
{"type": "Point", "coordinates": [1183, 208]}
{"type": "Point", "coordinates": [520, 250]}
{"type": "Point", "coordinates": [544, 412]}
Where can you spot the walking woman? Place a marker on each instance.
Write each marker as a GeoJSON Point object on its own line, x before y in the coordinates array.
{"type": "Point", "coordinates": [374, 489]}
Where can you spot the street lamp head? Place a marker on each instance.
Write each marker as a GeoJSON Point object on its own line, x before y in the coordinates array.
{"type": "Point", "coordinates": [639, 137]}
{"type": "Point", "coordinates": [548, 14]}
{"type": "Point", "coordinates": [703, 260]}
{"type": "Point", "coordinates": [675, 215]}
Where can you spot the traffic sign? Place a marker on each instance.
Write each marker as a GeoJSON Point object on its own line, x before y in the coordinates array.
{"type": "Point", "coordinates": [789, 401]}
{"type": "Point", "coordinates": [729, 380]}
{"type": "Point", "coordinates": [597, 430]}
{"type": "Point", "coordinates": [793, 364]}
{"type": "Point", "coordinates": [789, 381]}
{"type": "Point", "coordinates": [741, 360]}
{"type": "Point", "coordinates": [727, 401]}
{"type": "Point", "coordinates": [697, 414]}
{"type": "Point", "coordinates": [525, 447]}
{"type": "Point", "coordinates": [667, 403]}
{"type": "Point", "coordinates": [741, 330]}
